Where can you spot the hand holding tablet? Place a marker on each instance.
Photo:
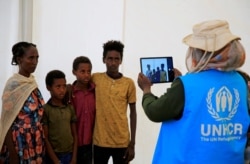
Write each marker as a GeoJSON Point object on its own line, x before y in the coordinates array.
{"type": "Point", "coordinates": [158, 69]}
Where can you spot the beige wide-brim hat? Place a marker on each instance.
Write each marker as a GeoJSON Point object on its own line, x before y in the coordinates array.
{"type": "Point", "coordinates": [210, 35]}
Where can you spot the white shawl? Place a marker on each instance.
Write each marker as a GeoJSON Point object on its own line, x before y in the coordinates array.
{"type": "Point", "coordinates": [16, 91]}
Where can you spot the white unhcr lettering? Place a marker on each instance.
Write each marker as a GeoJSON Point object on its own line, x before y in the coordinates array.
{"type": "Point", "coordinates": [221, 129]}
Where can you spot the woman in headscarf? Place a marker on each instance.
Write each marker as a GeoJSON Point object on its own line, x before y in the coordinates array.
{"type": "Point", "coordinates": [21, 132]}
{"type": "Point", "coordinates": [204, 113]}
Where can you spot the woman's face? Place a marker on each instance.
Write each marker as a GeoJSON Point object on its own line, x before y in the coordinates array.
{"type": "Point", "coordinates": [28, 62]}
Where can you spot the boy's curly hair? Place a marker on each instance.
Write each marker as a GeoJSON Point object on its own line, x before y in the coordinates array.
{"type": "Point", "coordinates": [113, 45]}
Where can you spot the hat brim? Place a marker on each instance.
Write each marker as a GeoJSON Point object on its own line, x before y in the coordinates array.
{"type": "Point", "coordinates": [209, 43]}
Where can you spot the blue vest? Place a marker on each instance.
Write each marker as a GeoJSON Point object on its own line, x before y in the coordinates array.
{"type": "Point", "coordinates": [213, 127]}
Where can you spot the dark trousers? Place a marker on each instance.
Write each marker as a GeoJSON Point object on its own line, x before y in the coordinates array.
{"type": "Point", "coordinates": [102, 155]}
{"type": "Point", "coordinates": [64, 158]}
{"type": "Point", "coordinates": [84, 154]}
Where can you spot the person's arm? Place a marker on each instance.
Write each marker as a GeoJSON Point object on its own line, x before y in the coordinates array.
{"type": "Point", "coordinates": [68, 96]}
{"type": "Point", "coordinates": [130, 152]}
{"type": "Point", "coordinates": [14, 158]}
{"type": "Point", "coordinates": [49, 148]}
{"type": "Point", "coordinates": [168, 106]}
{"type": "Point", "coordinates": [74, 134]}
{"type": "Point", "coordinates": [133, 120]}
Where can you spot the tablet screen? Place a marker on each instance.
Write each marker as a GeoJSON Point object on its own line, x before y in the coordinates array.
{"type": "Point", "coordinates": [158, 69]}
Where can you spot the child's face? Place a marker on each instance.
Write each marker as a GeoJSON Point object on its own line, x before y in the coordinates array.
{"type": "Point", "coordinates": [83, 73]}
{"type": "Point", "coordinates": [58, 88]}
{"type": "Point", "coordinates": [112, 61]}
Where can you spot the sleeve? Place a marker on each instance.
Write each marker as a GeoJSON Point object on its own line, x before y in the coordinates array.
{"type": "Point", "coordinates": [93, 77]}
{"type": "Point", "coordinates": [131, 92]}
{"type": "Point", "coordinates": [169, 106]}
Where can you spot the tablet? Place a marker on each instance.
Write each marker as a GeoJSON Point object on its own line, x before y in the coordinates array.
{"type": "Point", "coordinates": [158, 69]}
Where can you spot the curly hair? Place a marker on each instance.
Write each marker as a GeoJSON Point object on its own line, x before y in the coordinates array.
{"type": "Point", "coordinates": [113, 45]}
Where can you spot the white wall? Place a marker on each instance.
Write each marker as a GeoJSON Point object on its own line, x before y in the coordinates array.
{"type": "Point", "coordinates": [9, 20]}
{"type": "Point", "coordinates": [65, 29]}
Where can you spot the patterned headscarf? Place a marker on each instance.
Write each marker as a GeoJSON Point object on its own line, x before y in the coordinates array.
{"type": "Point", "coordinates": [231, 57]}
{"type": "Point", "coordinates": [213, 46]}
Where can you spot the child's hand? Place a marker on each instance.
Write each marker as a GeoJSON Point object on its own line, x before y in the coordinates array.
{"type": "Point", "coordinates": [68, 95]}
{"type": "Point", "coordinates": [73, 161]}
{"type": "Point", "coordinates": [130, 153]}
